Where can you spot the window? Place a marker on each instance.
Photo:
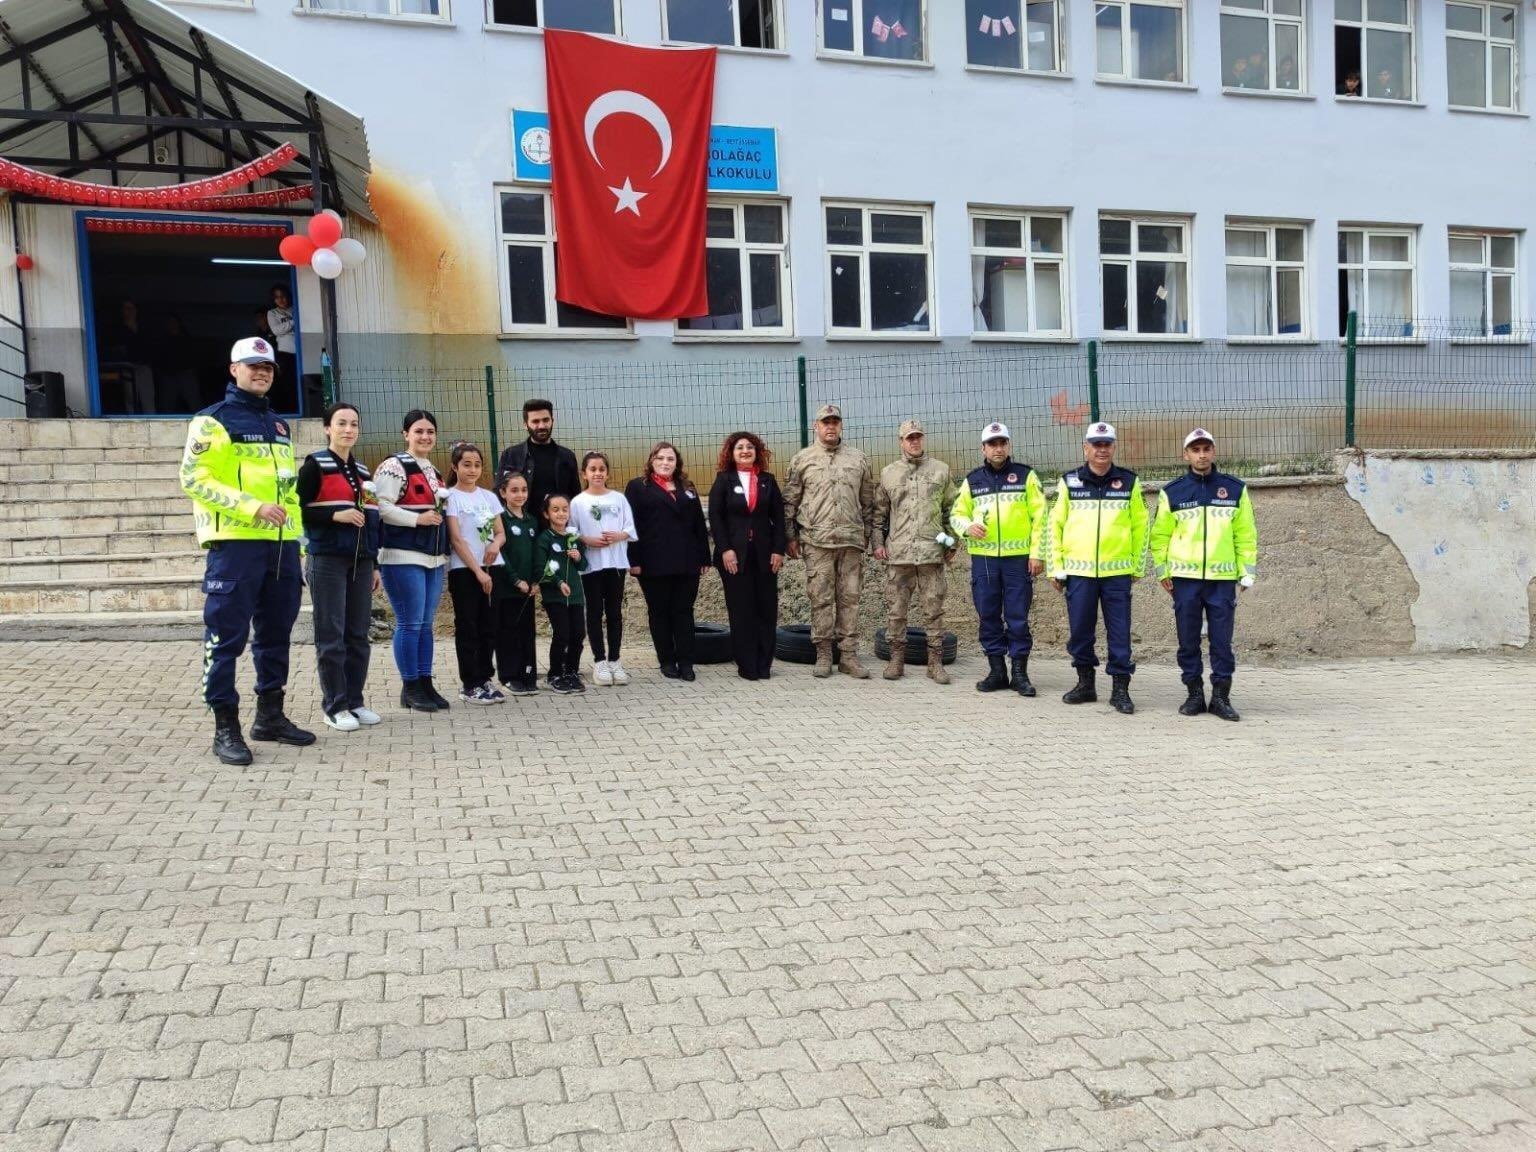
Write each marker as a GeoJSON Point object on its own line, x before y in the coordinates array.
{"type": "Point", "coordinates": [1012, 34]}
{"type": "Point", "coordinates": [879, 270]}
{"type": "Point", "coordinates": [732, 23]}
{"type": "Point", "coordinates": [1144, 267]}
{"type": "Point", "coordinates": [877, 29]}
{"type": "Point", "coordinates": [1376, 281]}
{"type": "Point", "coordinates": [528, 304]}
{"type": "Point", "coordinates": [1018, 273]}
{"type": "Point", "coordinates": [1142, 40]}
{"type": "Point", "coordinates": [575, 15]}
{"type": "Point", "coordinates": [432, 9]}
{"type": "Point", "coordinates": [746, 263]}
{"type": "Point", "coordinates": [1482, 284]}
{"type": "Point", "coordinates": [1266, 279]}
{"type": "Point", "coordinates": [1480, 59]}
{"type": "Point", "coordinates": [1373, 48]}
{"type": "Point", "coordinates": [1261, 44]}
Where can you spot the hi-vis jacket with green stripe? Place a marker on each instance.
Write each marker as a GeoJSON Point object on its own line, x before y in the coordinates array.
{"type": "Point", "coordinates": [1204, 529]}
{"type": "Point", "coordinates": [1009, 503]}
{"type": "Point", "coordinates": [1099, 525]}
{"type": "Point", "coordinates": [239, 456]}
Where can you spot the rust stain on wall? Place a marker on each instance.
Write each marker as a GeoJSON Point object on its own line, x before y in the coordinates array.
{"type": "Point", "coordinates": [435, 272]}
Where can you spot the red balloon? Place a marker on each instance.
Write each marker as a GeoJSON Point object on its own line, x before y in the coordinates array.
{"type": "Point", "coordinates": [324, 230]}
{"type": "Point", "coordinates": [296, 249]}
{"type": "Point", "coordinates": [24, 262]}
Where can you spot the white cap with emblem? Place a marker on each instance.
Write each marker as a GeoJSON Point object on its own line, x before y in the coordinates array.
{"type": "Point", "coordinates": [1099, 431]}
{"type": "Point", "coordinates": [252, 350]}
{"type": "Point", "coordinates": [995, 431]}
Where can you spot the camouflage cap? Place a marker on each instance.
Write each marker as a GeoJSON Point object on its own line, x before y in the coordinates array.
{"type": "Point", "coordinates": [828, 412]}
{"type": "Point", "coordinates": [908, 427]}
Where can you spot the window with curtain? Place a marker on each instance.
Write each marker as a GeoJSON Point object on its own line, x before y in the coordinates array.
{"type": "Point", "coordinates": [1376, 272]}
{"type": "Point", "coordinates": [746, 265]}
{"type": "Point", "coordinates": [1266, 279]}
{"type": "Point", "coordinates": [1482, 61]}
{"type": "Point", "coordinates": [525, 225]}
{"type": "Point", "coordinates": [1262, 45]}
{"type": "Point", "coordinates": [1012, 34]}
{"type": "Point", "coordinates": [1140, 40]}
{"type": "Point", "coordinates": [1144, 275]}
{"type": "Point", "coordinates": [1018, 273]}
{"type": "Point", "coordinates": [1483, 296]}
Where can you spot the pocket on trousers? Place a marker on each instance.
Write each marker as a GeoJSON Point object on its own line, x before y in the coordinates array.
{"type": "Point", "coordinates": [217, 586]}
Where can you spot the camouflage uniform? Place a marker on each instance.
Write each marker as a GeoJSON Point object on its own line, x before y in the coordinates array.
{"type": "Point", "coordinates": [829, 504]}
{"type": "Point", "coordinates": [912, 509]}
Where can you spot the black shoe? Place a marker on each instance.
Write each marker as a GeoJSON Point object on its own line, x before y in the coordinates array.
{"type": "Point", "coordinates": [431, 693]}
{"type": "Point", "coordinates": [1020, 682]}
{"type": "Point", "coordinates": [527, 686]}
{"type": "Point", "coordinates": [685, 672]}
{"type": "Point", "coordinates": [271, 724]}
{"type": "Point", "coordinates": [228, 745]}
{"type": "Point", "coordinates": [1220, 704]}
{"type": "Point", "coordinates": [1194, 704]}
{"type": "Point", "coordinates": [412, 697]}
{"type": "Point", "coordinates": [1120, 696]}
{"type": "Point", "coordinates": [671, 671]}
{"type": "Point", "coordinates": [1084, 691]}
{"type": "Point", "coordinates": [571, 682]}
{"type": "Point", "coordinates": [996, 678]}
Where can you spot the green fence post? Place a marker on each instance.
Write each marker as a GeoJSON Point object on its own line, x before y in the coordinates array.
{"type": "Point", "coordinates": [805, 404]}
{"type": "Point", "coordinates": [1093, 381]}
{"type": "Point", "coordinates": [490, 410]}
{"type": "Point", "coordinates": [1349, 379]}
{"type": "Point", "coordinates": [327, 382]}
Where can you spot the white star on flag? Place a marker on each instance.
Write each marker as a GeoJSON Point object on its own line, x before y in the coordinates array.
{"type": "Point", "coordinates": [628, 198]}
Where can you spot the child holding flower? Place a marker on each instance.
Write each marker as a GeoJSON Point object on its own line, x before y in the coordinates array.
{"type": "Point", "coordinates": [562, 555]}
{"type": "Point", "coordinates": [475, 535]}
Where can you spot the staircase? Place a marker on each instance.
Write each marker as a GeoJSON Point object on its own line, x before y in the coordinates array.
{"type": "Point", "coordinates": [96, 538]}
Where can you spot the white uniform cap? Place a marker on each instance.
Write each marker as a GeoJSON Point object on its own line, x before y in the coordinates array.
{"type": "Point", "coordinates": [994, 431]}
{"type": "Point", "coordinates": [252, 350]}
{"type": "Point", "coordinates": [1199, 434]}
{"type": "Point", "coordinates": [1099, 431]}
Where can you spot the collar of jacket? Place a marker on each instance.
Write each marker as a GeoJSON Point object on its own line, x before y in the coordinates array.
{"type": "Point", "coordinates": [238, 395]}
{"type": "Point", "coordinates": [914, 461]}
{"type": "Point", "coordinates": [1199, 479]}
{"type": "Point", "coordinates": [830, 449]}
{"type": "Point", "coordinates": [1000, 469]}
{"type": "Point", "coordinates": [1092, 478]}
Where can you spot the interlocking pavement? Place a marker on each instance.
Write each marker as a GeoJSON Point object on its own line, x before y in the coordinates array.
{"type": "Point", "coordinates": [821, 916]}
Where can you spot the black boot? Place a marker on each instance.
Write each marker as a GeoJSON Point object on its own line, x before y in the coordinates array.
{"type": "Point", "coordinates": [412, 698]}
{"type": "Point", "coordinates": [1120, 695]}
{"type": "Point", "coordinates": [1020, 682]}
{"type": "Point", "coordinates": [1084, 692]}
{"type": "Point", "coordinates": [424, 686]}
{"type": "Point", "coordinates": [1220, 704]}
{"type": "Point", "coordinates": [685, 672]}
{"type": "Point", "coordinates": [271, 724]}
{"type": "Point", "coordinates": [997, 675]}
{"type": "Point", "coordinates": [1195, 704]}
{"type": "Point", "coordinates": [228, 745]}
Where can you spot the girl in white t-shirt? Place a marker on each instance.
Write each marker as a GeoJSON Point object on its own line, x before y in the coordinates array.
{"type": "Point", "coordinates": [602, 518]}
{"type": "Point", "coordinates": [475, 538]}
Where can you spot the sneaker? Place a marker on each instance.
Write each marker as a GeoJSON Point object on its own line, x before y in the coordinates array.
{"type": "Point", "coordinates": [343, 721]}
{"type": "Point", "coordinates": [601, 673]}
{"type": "Point", "coordinates": [573, 683]}
{"type": "Point", "coordinates": [528, 687]}
{"type": "Point", "coordinates": [365, 717]}
{"type": "Point", "coordinates": [564, 685]}
{"type": "Point", "coordinates": [496, 694]}
{"type": "Point", "coordinates": [550, 680]}
{"type": "Point", "coordinates": [617, 673]}
{"type": "Point", "coordinates": [477, 695]}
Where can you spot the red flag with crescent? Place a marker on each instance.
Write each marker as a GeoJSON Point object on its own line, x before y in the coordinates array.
{"type": "Point", "coordinates": [629, 149]}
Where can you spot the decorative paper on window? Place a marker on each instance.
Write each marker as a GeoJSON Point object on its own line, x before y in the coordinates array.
{"type": "Point", "coordinates": [840, 14]}
{"type": "Point", "coordinates": [997, 26]}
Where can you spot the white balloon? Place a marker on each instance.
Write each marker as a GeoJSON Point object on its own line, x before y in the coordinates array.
{"type": "Point", "coordinates": [330, 212]}
{"type": "Point", "coordinates": [351, 251]}
{"type": "Point", "coordinates": [326, 263]}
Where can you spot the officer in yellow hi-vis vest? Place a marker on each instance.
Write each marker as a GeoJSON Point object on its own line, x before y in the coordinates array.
{"type": "Point", "coordinates": [1098, 534]}
{"type": "Point", "coordinates": [1205, 547]}
{"type": "Point", "coordinates": [238, 469]}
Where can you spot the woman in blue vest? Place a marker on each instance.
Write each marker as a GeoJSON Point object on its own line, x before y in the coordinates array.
{"type": "Point", "coordinates": [341, 531]}
{"type": "Point", "coordinates": [413, 555]}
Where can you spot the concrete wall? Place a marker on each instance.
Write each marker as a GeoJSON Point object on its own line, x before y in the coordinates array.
{"type": "Point", "coordinates": [1465, 525]}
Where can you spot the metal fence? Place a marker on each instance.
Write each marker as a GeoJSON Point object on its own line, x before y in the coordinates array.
{"type": "Point", "coordinates": [1273, 407]}
{"type": "Point", "coordinates": [13, 369]}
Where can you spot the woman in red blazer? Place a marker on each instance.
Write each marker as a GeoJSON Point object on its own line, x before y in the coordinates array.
{"type": "Point", "coordinates": [746, 518]}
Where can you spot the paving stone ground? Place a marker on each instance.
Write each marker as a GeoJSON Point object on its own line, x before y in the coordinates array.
{"type": "Point", "coordinates": [821, 917]}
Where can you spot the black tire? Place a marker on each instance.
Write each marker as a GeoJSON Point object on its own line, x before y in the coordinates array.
{"type": "Point", "coordinates": [917, 646]}
{"type": "Point", "coordinates": [711, 644]}
{"type": "Point", "coordinates": [792, 644]}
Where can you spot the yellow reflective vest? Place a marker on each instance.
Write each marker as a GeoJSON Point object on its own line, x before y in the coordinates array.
{"type": "Point", "coordinates": [1205, 529]}
{"type": "Point", "coordinates": [1009, 503]}
{"type": "Point", "coordinates": [238, 457]}
{"type": "Point", "coordinates": [1099, 525]}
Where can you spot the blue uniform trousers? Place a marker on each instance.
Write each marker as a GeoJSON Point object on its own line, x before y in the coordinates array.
{"type": "Point", "coordinates": [1214, 602]}
{"type": "Point", "coordinates": [1087, 597]}
{"type": "Point", "coordinates": [1002, 590]}
{"type": "Point", "coordinates": [251, 586]}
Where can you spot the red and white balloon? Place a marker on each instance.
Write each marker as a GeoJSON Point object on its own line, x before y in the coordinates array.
{"type": "Point", "coordinates": [322, 247]}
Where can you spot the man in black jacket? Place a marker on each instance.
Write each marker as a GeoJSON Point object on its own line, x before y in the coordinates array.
{"type": "Point", "coordinates": [551, 469]}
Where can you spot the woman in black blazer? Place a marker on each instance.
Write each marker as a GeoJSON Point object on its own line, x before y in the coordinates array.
{"type": "Point", "coordinates": [672, 552]}
{"type": "Point", "coordinates": [746, 518]}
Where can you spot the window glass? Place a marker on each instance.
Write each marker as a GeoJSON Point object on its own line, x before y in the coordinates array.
{"type": "Point", "coordinates": [1109, 22]}
{"type": "Point", "coordinates": [1114, 236]}
{"type": "Point", "coordinates": [1249, 304]}
{"type": "Point", "coordinates": [1244, 51]}
{"type": "Point", "coordinates": [1288, 57]}
{"type": "Point", "coordinates": [898, 291]}
{"type": "Point", "coordinates": [837, 25]}
{"type": "Point", "coordinates": [722, 271]}
{"type": "Point", "coordinates": [767, 290]}
{"type": "Point", "coordinates": [889, 228]}
{"type": "Point", "coordinates": [764, 224]}
{"type": "Point", "coordinates": [1463, 18]}
{"type": "Point", "coordinates": [1465, 61]}
{"type": "Point", "coordinates": [1157, 52]}
{"type": "Point", "coordinates": [1502, 251]}
{"type": "Point", "coordinates": [1289, 307]}
{"type": "Point", "coordinates": [893, 295]}
{"type": "Point", "coordinates": [1003, 301]}
{"type": "Point", "coordinates": [720, 223]}
{"type": "Point", "coordinates": [1016, 275]}
{"type": "Point", "coordinates": [1290, 244]}
{"type": "Point", "coordinates": [1247, 242]}
{"type": "Point", "coordinates": [1387, 11]}
{"type": "Point", "coordinates": [845, 226]}
{"type": "Point", "coordinates": [1045, 233]}
{"type": "Point", "coordinates": [846, 292]}
{"type": "Point", "coordinates": [1466, 250]}
{"type": "Point", "coordinates": [1048, 298]}
{"type": "Point", "coordinates": [1387, 58]}
{"type": "Point", "coordinates": [1042, 36]}
{"type": "Point", "coordinates": [993, 30]}
{"type": "Point", "coordinates": [522, 213]}
{"type": "Point", "coordinates": [1117, 308]}
{"type": "Point", "coordinates": [1389, 247]}
{"type": "Point", "coordinates": [993, 233]}
{"type": "Point", "coordinates": [744, 280]}
{"type": "Point", "coordinates": [1160, 237]}
{"type": "Point", "coordinates": [525, 283]}
{"type": "Point", "coordinates": [701, 21]}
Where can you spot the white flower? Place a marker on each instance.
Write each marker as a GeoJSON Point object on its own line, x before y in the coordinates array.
{"type": "Point", "coordinates": [552, 567]}
{"type": "Point", "coordinates": [370, 487]}
{"type": "Point", "coordinates": [945, 540]}
{"type": "Point", "coordinates": [739, 492]}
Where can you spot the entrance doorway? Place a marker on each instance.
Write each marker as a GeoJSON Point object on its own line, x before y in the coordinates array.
{"type": "Point", "coordinates": [163, 305]}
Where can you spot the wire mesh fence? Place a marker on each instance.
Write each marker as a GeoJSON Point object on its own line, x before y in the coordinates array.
{"type": "Point", "coordinates": [1272, 407]}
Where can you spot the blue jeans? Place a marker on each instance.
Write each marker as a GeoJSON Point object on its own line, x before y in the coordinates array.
{"type": "Point", "coordinates": [1215, 603]}
{"type": "Point", "coordinates": [1087, 597]}
{"type": "Point", "coordinates": [413, 593]}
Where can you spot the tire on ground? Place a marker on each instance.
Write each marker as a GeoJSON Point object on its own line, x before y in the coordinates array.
{"type": "Point", "coordinates": [793, 645]}
{"type": "Point", "coordinates": [917, 646]}
{"type": "Point", "coordinates": [711, 644]}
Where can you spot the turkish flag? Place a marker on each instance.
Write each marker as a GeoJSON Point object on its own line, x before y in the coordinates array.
{"type": "Point", "coordinates": [629, 147]}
